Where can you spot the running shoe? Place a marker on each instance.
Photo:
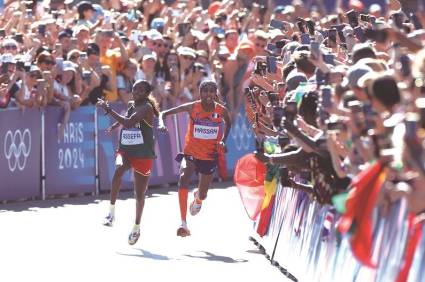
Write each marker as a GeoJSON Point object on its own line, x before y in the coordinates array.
{"type": "Point", "coordinates": [109, 220]}
{"type": "Point", "coordinates": [133, 237]}
{"type": "Point", "coordinates": [194, 206]}
{"type": "Point", "coordinates": [183, 231]}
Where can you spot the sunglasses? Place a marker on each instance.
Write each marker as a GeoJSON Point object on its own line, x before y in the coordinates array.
{"type": "Point", "coordinates": [72, 58]}
{"type": "Point", "coordinates": [10, 47]}
{"type": "Point", "coordinates": [188, 58]}
{"type": "Point", "coordinates": [260, 45]}
{"type": "Point", "coordinates": [48, 62]}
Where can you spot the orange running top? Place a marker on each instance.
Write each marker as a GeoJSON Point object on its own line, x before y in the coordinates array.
{"type": "Point", "coordinates": [205, 131]}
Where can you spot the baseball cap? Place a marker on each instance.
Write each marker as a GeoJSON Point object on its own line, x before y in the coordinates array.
{"type": "Point", "coordinates": [77, 29]}
{"type": "Point", "coordinates": [157, 23]}
{"type": "Point", "coordinates": [186, 51]}
{"type": "Point", "coordinates": [294, 79]}
{"type": "Point", "coordinates": [69, 66]}
{"type": "Point", "coordinates": [7, 59]}
{"type": "Point", "coordinates": [354, 74]}
{"type": "Point", "coordinates": [149, 56]}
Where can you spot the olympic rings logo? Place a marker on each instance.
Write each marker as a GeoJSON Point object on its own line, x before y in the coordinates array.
{"type": "Point", "coordinates": [17, 148]}
{"type": "Point", "coordinates": [241, 133]}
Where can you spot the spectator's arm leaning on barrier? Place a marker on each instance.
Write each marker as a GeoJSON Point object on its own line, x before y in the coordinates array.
{"type": "Point", "coordinates": [336, 160]}
{"type": "Point", "coordinates": [307, 144]}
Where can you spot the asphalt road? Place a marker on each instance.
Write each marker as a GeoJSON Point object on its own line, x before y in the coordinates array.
{"type": "Point", "coordinates": [64, 240]}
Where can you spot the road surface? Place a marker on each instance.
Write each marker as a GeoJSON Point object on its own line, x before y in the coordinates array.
{"type": "Point", "coordinates": [64, 240]}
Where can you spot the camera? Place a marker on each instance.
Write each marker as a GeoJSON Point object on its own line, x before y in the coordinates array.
{"type": "Point", "coordinates": [336, 126]}
{"type": "Point", "coordinates": [260, 68]}
{"type": "Point", "coordinates": [278, 114]}
{"type": "Point", "coordinates": [353, 18]}
{"type": "Point", "coordinates": [273, 98]}
{"type": "Point", "coordinates": [291, 110]}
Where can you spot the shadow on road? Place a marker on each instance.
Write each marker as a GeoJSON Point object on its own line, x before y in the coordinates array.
{"type": "Point", "coordinates": [146, 254]}
{"type": "Point", "coordinates": [212, 257]}
{"type": "Point", "coordinates": [61, 201]}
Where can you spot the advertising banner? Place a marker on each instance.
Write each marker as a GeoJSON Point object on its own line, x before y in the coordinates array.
{"type": "Point", "coordinates": [20, 144]}
{"type": "Point", "coordinates": [70, 159]}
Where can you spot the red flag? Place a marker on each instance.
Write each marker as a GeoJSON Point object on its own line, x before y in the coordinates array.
{"type": "Point", "coordinates": [249, 178]}
{"type": "Point", "coordinates": [359, 206]}
{"type": "Point", "coordinates": [414, 236]}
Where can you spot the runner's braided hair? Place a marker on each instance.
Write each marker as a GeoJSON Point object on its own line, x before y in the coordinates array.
{"type": "Point", "coordinates": [150, 98]}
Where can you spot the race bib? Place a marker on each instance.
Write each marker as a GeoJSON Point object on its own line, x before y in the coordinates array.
{"type": "Point", "coordinates": [131, 137]}
{"type": "Point", "coordinates": [205, 132]}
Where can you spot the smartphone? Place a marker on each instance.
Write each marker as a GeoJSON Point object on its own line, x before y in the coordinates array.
{"type": "Point", "coordinates": [109, 33]}
{"type": "Point", "coordinates": [358, 32]}
{"type": "Point", "coordinates": [74, 42]}
{"type": "Point", "coordinates": [271, 48]}
{"type": "Point", "coordinates": [42, 30]}
{"type": "Point", "coordinates": [260, 68]}
{"type": "Point", "coordinates": [27, 67]}
{"type": "Point", "coordinates": [411, 128]}
{"type": "Point", "coordinates": [336, 126]}
{"type": "Point", "coordinates": [271, 62]}
{"type": "Point", "coordinates": [273, 98]}
{"type": "Point", "coordinates": [20, 65]}
{"type": "Point", "coordinates": [379, 36]}
{"type": "Point", "coordinates": [281, 44]}
{"type": "Point", "coordinates": [300, 25]}
{"type": "Point", "coordinates": [329, 59]}
{"type": "Point", "coordinates": [310, 27]}
{"type": "Point", "coordinates": [86, 75]}
{"type": "Point", "coordinates": [305, 39]}
{"type": "Point", "coordinates": [326, 97]}
{"type": "Point", "coordinates": [4, 68]}
{"type": "Point", "coordinates": [315, 49]}
{"type": "Point", "coordinates": [365, 18]}
{"type": "Point", "coordinates": [58, 47]}
{"type": "Point", "coordinates": [405, 69]}
{"type": "Point", "coordinates": [205, 4]}
{"type": "Point", "coordinates": [398, 19]}
{"type": "Point", "coordinates": [183, 28]}
{"type": "Point", "coordinates": [218, 30]}
{"type": "Point", "coordinates": [41, 83]}
{"type": "Point", "coordinates": [19, 37]}
{"type": "Point", "coordinates": [415, 21]}
{"type": "Point", "coordinates": [353, 18]}
{"type": "Point", "coordinates": [291, 110]}
{"type": "Point", "coordinates": [2, 32]}
{"type": "Point", "coordinates": [332, 38]}
{"type": "Point", "coordinates": [83, 55]}
{"type": "Point", "coordinates": [29, 14]}
{"type": "Point", "coordinates": [59, 63]}
{"type": "Point", "coordinates": [320, 77]}
{"type": "Point", "coordinates": [278, 113]}
{"type": "Point", "coordinates": [277, 24]}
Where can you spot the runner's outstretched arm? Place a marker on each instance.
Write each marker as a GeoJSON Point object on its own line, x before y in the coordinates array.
{"type": "Point", "coordinates": [179, 109]}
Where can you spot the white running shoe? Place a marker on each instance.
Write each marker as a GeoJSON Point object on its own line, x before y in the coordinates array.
{"type": "Point", "coordinates": [109, 220]}
{"type": "Point", "coordinates": [133, 237]}
{"type": "Point", "coordinates": [183, 231]}
{"type": "Point", "coordinates": [194, 206]}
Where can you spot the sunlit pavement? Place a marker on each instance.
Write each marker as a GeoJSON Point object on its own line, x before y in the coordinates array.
{"type": "Point", "coordinates": [64, 240]}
